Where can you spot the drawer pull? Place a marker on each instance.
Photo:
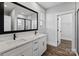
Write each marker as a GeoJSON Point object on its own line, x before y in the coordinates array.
{"type": "Point", "coordinates": [36, 49]}
{"type": "Point", "coordinates": [35, 42]}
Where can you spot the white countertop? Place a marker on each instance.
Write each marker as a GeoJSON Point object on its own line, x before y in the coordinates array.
{"type": "Point", "coordinates": [8, 45]}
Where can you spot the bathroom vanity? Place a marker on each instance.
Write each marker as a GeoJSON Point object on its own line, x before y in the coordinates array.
{"type": "Point", "coordinates": [18, 18]}
{"type": "Point", "coordinates": [34, 45]}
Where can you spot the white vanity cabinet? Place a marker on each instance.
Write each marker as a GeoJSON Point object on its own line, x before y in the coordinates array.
{"type": "Point", "coordinates": [33, 48]}
{"type": "Point", "coordinates": [24, 50]}
{"type": "Point", "coordinates": [42, 45]}
{"type": "Point", "coordinates": [39, 46]}
{"type": "Point", "coordinates": [28, 51]}
{"type": "Point", "coordinates": [36, 47]}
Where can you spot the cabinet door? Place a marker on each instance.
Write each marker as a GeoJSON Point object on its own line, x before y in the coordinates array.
{"type": "Point", "coordinates": [42, 45]}
{"type": "Point", "coordinates": [27, 51]}
{"type": "Point", "coordinates": [36, 47]}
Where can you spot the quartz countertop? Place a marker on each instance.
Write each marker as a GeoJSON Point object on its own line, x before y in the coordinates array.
{"type": "Point", "coordinates": [10, 44]}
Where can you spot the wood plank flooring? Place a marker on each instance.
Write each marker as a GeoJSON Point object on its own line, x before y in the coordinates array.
{"type": "Point", "coordinates": [55, 51]}
{"type": "Point", "coordinates": [65, 44]}
{"type": "Point", "coordinates": [61, 50]}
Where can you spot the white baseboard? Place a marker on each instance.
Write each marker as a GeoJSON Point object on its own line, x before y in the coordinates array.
{"type": "Point", "coordinates": [74, 50]}
{"type": "Point", "coordinates": [67, 39]}
{"type": "Point", "coordinates": [52, 43]}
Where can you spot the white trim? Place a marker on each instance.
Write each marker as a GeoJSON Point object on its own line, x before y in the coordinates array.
{"type": "Point", "coordinates": [66, 12]}
{"type": "Point", "coordinates": [66, 39]}
{"type": "Point", "coordinates": [74, 50]}
{"type": "Point", "coordinates": [52, 44]}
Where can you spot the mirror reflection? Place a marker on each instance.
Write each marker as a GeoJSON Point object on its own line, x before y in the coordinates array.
{"type": "Point", "coordinates": [18, 18]}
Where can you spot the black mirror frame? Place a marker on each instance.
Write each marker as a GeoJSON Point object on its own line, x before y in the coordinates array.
{"type": "Point", "coordinates": [2, 21]}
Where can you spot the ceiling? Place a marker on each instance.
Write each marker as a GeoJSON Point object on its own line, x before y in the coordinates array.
{"type": "Point", "coordinates": [47, 5]}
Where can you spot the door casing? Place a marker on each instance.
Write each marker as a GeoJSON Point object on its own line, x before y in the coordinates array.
{"type": "Point", "coordinates": [73, 30]}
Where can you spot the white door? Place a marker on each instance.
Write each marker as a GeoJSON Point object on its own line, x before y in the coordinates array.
{"type": "Point", "coordinates": [58, 30]}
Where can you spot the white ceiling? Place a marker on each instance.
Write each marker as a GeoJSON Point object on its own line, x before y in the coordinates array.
{"type": "Point", "coordinates": [47, 5]}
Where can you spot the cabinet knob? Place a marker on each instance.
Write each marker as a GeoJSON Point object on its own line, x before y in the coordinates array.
{"type": "Point", "coordinates": [35, 42]}
{"type": "Point", "coordinates": [36, 49]}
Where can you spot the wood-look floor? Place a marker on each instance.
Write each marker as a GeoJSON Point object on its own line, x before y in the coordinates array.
{"type": "Point", "coordinates": [61, 50]}
{"type": "Point", "coordinates": [65, 44]}
{"type": "Point", "coordinates": [54, 51]}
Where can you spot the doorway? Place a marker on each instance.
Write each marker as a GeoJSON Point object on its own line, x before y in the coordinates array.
{"type": "Point", "coordinates": [64, 31]}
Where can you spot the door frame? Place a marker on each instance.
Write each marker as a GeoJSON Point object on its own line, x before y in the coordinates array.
{"type": "Point", "coordinates": [77, 40]}
{"type": "Point", "coordinates": [73, 24]}
{"type": "Point", "coordinates": [58, 42]}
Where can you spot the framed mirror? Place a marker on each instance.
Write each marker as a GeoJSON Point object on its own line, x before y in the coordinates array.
{"type": "Point", "coordinates": [17, 18]}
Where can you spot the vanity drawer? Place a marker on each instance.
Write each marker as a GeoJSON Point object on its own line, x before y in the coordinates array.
{"type": "Point", "coordinates": [35, 44]}
{"type": "Point", "coordinates": [27, 52]}
{"type": "Point", "coordinates": [36, 52]}
{"type": "Point", "coordinates": [18, 50]}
